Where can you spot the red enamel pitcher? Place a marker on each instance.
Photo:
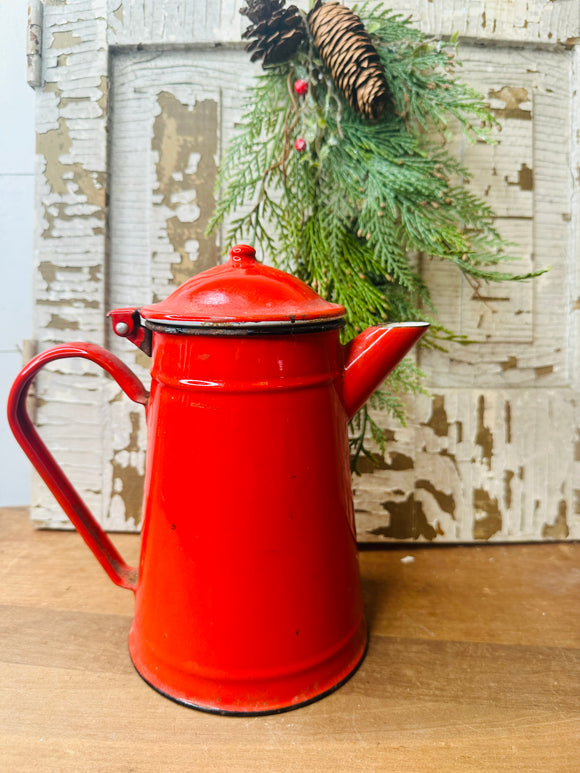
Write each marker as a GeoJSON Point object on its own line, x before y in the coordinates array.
{"type": "Point", "coordinates": [247, 594]}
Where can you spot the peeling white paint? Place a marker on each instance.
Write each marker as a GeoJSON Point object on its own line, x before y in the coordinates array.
{"type": "Point", "coordinates": [493, 453]}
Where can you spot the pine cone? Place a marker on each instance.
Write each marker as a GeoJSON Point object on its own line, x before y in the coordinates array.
{"type": "Point", "coordinates": [278, 31]}
{"type": "Point", "coordinates": [346, 49]}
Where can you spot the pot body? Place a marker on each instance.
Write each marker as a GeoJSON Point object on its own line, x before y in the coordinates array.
{"type": "Point", "coordinates": [247, 592]}
{"type": "Point", "coordinates": [248, 598]}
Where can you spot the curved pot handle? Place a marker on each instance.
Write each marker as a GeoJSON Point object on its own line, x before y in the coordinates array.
{"type": "Point", "coordinates": [46, 466]}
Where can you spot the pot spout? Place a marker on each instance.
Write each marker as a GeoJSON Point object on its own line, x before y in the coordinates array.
{"type": "Point", "coordinates": [371, 356]}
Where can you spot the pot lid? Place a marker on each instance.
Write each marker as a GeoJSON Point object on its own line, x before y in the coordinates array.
{"type": "Point", "coordinates": [242, 292]}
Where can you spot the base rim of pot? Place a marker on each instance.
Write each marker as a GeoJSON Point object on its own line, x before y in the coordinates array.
{"type": "Point", "coordinates": [258, 712]}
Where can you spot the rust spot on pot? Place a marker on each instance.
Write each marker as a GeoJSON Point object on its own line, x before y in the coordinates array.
{"type": "Point", "coordinates": [484, 437]}
{"type": "Point", "coordinates": [438, 419]}
{"type": "Point", "coordinates": [559, 529]}
{"type": "Point", "coordinates": [407, 521]}
{"type": "Point", "coordinates": [545, 370]}
{"type": "Point", "coordinates": [488, 524]}
{"type": "Point", "coordinates": [512, 97]}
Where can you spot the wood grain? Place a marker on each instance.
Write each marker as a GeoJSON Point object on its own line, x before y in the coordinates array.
{"type": "Point", "coordinates": [473, 665]}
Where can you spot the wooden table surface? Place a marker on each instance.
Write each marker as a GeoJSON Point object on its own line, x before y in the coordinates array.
{"type": "Point", "coordinates": [473, 665]}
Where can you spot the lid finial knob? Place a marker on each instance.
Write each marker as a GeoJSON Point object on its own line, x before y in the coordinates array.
{"type": "Point", "coordinates": [242, 253]}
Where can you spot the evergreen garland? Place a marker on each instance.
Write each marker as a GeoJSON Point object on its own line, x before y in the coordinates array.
{"type": "Point", "coordinates": [347, 203]}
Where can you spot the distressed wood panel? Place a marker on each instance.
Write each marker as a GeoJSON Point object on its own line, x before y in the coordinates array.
{"type": "Point", "coordinates": [170, 113]}
{"type": "Point", "coordinates": [173, 22]}
{"type": "Point", "coordinates": [525, 178]}
{"type": "Point", "coordinates": [572, 299]}
{"type": "Point", "coordinates": [477, 465]}
{"type": "Point", "coordinates": [492, 454]}
{"type": "Point", "coordinates": [549, 22]}
{"type": "Point", "coordinates": [71, 167]}
{"type": "Point", "coordinates": [546, 22]}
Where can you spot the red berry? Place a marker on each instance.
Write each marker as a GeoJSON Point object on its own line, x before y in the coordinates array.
{"type": "Point", "coordinates": [300, 144]}
{"type": "Point", "coordinates": [301, 87]}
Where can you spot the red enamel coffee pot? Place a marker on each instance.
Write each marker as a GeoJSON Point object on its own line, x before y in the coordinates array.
{"type": "Point", "coordinates": [247, 595]}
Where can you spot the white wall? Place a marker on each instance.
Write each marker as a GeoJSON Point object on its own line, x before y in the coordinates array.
{"type": "Point", "coordinates": [16, 229]}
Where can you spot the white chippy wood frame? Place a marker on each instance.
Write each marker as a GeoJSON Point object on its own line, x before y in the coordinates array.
{"type": "Point", "coordinates": [123, 189]}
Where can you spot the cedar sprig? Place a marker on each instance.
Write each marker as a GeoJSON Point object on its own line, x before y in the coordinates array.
{"type": "Point", "coordinates": [352, 213]}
